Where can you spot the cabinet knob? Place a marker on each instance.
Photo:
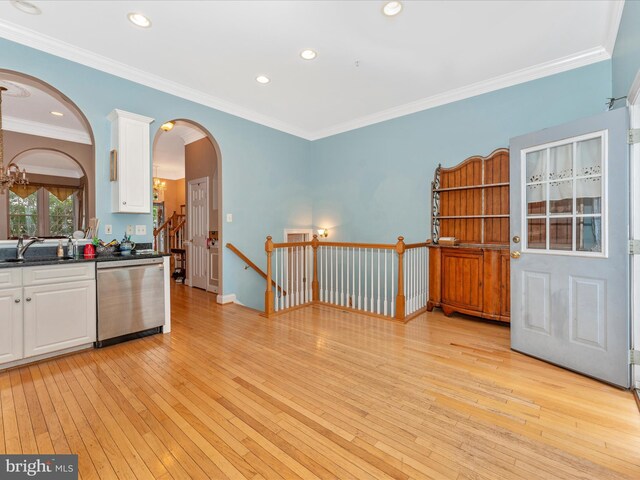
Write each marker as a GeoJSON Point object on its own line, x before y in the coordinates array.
{"type": "Point", "coordinates": [124, 203]}
{"type": "Point", "coordinates": [28, 299]}
{"type": "Point", "coordinates": [17, 300]}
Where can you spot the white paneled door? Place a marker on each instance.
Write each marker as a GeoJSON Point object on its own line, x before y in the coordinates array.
{"type": "Point", "coordinates": [569, 260]}
{"type": "Point", "coordinates": [198, 225]}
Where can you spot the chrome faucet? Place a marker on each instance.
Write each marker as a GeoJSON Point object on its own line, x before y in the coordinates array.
{"type": "Point", "coordinates": [22, 249]}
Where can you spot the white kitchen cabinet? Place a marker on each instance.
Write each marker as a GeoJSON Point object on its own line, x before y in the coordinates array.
{"type": "Point", "coordinates": [130, 163]}
{"type": "Point", "coordinates": [11, 347]}
{"type": "Point", "coordinates": [59, 316]}
{"type": "Point", "coordinates": [45, 309]}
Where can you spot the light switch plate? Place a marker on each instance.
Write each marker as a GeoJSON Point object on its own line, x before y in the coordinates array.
{"type": "Point", "coordinates": [141, 229]}
{"type": "Point", "coordinates": [129, 229]}
{"type": "Point", "coordinates": [229, 217]}
{"type": "Point", "coordinates": [108, 230]}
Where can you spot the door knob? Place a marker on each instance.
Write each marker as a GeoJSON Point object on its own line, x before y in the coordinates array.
{"type": "Point", "coordinates": [515, 254]}
{"type": "Point", "coordinates": [516, 239]}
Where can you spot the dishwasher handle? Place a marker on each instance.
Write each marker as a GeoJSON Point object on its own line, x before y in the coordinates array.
{"type": "Point", "coordinates": [149, 262]}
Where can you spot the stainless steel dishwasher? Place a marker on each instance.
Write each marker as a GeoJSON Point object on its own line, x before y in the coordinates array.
{"type": "Point", "coordinates": [130, 299]}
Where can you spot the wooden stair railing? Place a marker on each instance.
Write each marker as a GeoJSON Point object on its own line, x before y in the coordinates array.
{"type": "Point", "coordinates": [252, 265]}
{"type": "Point", "coordinates": [172, 233]}
{"type": "Point", "coordinates": [383, 280]}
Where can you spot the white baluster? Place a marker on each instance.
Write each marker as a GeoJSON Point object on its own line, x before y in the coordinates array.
{"type": "Point", "coordinates": [342, 276]}
{"type": "Point", "coordinates": [337, 295]}
{"type": "Point", "coordinates": [359, 278]}
{"type": "Point", "coordinates": [378, 301]}
{"type": "Point", "coordinates": [348, 284]}
{"type": "Point", "coordinates": [353, 277]}
{"type": "Point", "coordinates": [386, 252]}
{"type": "Point", "coordinates": [392, 311]}
{"type": "Point", "coordinates": [366, 299]}
{"type": "Point", "coordinates": [371, 308]}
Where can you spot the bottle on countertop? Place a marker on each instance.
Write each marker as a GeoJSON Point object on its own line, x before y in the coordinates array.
{"type": "Point", "coordinates": [60, 252]}
{"type": "Point", "coordinates": [70, 252]}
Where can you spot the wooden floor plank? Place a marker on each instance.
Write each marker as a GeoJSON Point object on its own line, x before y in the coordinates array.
{"type": "Point", "coordinates": [319, 393]}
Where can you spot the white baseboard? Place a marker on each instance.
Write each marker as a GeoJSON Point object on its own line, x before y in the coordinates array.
{"type": "Point", "coordinates": [224, 299]}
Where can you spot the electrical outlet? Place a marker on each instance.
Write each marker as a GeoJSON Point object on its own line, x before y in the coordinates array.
{"type": "Point", "coordinates": [229, 217]}
{"type": "Point", "coordinates": [141, 229]}
{"type": "Point", "coordinates": [129, 229]}
{"type": "Point", "coordinates": [108, 230]}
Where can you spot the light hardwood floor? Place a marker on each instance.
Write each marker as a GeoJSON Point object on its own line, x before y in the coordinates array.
{"type": "Point", "coordinates": [318, 393]}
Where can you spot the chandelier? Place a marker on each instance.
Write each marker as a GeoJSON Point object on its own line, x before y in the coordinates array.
{"type": "Point", "coordinates": [11, 175]}
{"type": "Point", "coordinates": [158, 184]}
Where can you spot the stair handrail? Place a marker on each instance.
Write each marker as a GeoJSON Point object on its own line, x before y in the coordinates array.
{"type": "Point", "coordinates": [257, 269]}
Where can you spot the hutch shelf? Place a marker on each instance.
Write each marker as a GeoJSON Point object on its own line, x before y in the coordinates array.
{"type": "Point", "coordinates": [471, 203]}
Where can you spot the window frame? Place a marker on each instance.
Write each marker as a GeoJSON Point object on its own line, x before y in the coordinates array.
{"type": "Point", "coordinates": [604, 215]}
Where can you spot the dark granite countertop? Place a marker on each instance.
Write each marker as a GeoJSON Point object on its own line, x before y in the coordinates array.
{"type": "Point", "coordinates": [47, 256]}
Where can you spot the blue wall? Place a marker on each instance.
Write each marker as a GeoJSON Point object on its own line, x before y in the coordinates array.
{"type": "Point", "coordinates": [626, 54]}
{"type": "Point", "coordinates": [264, 171]}
{"type": "Point", "coordinates": [373, 184]}
{"type": "Point", "coordinates": [370, 184]}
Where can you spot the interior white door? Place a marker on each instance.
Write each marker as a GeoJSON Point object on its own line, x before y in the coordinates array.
{"type": "Point", "coordinates": [570, 227]}
{"type": "Point", "coordinates": [198, 225]}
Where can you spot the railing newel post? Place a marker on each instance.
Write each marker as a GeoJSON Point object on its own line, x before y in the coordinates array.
{"type": "Point", "coordinates": [400, 297]}
{"type": "Point", "coordinates": [268, 294]}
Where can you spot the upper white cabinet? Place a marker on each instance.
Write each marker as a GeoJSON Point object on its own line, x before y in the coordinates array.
{"type": "Point", "coordinates": [130, 163]}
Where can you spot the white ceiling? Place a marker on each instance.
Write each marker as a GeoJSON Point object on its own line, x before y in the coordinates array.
{"type": "Point", "coordinates": [49, 162]}
{"type": "Point", "coordinates": [168, 149]}
{"type": "Point", "coordinates": [369, 67]}
{"type": "Point", "coordinates": [27, 107]}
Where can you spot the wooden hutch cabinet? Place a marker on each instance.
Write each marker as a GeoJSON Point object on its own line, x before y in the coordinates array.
{"type": "Point", "coordinates": [471, 203]}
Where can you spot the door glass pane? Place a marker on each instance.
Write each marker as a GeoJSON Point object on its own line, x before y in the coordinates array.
{"type": "Point", "coordinates": [537, 199]}
{"type": "Point", "coordinates": [561, 197]}
{"type": "Point", "coordinates": [560, 162]}
{"type": "Point", "coordinates": [536, 166]}
{"type": "Point", "coordinates": [588, 234]}
{"type": "Point", "coordinates": [560, 234]}
{"type": "Point", "coordinates": [589, 195]}
{"type": "Point", "coordinates": [589, 157]}
{"type": "Point", "coordinates": [537, 233]}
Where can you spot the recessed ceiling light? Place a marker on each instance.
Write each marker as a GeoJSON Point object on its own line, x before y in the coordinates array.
{"type": "Point", "coordinates": [391, 9]}
{"type": "Point", "coordinates": [308, 54]}
{"type": "Point", "coordinates": [262, 79]}
{"type": "Point", "coordinates": [139, 19]}
{"type": "Point", "coordinates": [26, 7]}
{"type": "Point", "coordinates": [56, 114]}
{"type": "Point", "coordinates": [167, 126]}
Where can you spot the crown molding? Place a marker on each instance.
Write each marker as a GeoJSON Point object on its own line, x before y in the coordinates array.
{"type": "Point", "coordinates": [615, 16]}
{"type": "Point", "coordinates": [45, 43]}
{"type": "Point", "coordinates": [570, 62]}
{"type": "Point", "coordinates": [70, 52]}
{"type": "Point", "coordinates": [29, 127]}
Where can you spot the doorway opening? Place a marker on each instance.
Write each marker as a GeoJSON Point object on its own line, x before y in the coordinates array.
{"type": "Point", "coordinates": [187, 197]}
{"type": "Point", "coordinates": [48, 136]}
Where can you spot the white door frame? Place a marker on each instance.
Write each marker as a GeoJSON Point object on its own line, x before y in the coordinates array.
{"type": "Point", "coordinates": [204, 180]}
{"type": "Point", "coordinates": [633, 100]}
{"type": "Point", "coordinates": [287, 231]}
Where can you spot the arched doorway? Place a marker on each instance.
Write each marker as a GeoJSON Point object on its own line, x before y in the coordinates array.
{"type": "Point", "coordinates": [187, 202]}
{"type": "Point", "coordinates": [45, 133]}
{"type": "Point", "coordinates": [54, 203]}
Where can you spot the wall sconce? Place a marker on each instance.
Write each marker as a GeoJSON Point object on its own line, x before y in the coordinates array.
{"type": "Point", "coordinates": [323, 232]}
